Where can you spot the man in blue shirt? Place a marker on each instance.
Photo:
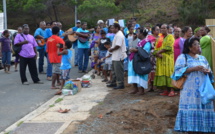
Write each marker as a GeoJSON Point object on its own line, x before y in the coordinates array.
{"type": "Point", "coordinates": [83, 48]}
{"type": "Point", "coordinates": [40, 34]}
{"type": "Point", "coordinates": [61, 31]}
{"type": "Point", "coordinates": [75, 44]}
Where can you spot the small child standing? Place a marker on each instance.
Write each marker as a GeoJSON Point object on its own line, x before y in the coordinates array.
{"type": "Point", "coordinates": [66, 63]}
{"type": "Point", "coordinates": [108, 63]}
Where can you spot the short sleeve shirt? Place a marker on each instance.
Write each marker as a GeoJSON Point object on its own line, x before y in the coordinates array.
{"type": "Point", "coordinates": [52, 48]}
{"type": "Point", "coordinates": [86, 44]}
{"type": "Point", "coordinates": [108, 60]}
{"type": "Point", "coordinates": [27, 50]}
{"type": "Point", "coordinates": [119, 40]}
{"type": "Point", "coordinates": [42, 33]}
{"type": "Point", "coordinates": [5, 44]}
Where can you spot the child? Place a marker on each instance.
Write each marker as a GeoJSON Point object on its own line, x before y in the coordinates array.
{"type": "Point", "coordinates": [108, 63]}
{"type": "Point", "coordinates": [65, 63]}
{"type": "Point", "coordinates": [95, 58]}
{"type": "Point", "coordinates": [6, 51]}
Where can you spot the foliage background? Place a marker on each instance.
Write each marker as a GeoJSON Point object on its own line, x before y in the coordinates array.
{"type": "Point", "coordinates": [179, 12]}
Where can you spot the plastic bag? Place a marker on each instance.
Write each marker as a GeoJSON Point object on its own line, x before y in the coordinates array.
{"type": "Point", "coordinates": [207, 91]}
{"type": "Point", "coordinates": [69, 88]}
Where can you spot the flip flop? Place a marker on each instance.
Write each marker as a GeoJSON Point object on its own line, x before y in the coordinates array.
{"type": "Point", "coordinates": [55, 88]}
{"type": "Point", "coordinates": [63, 111]}
{"type": "Point", "coordinates": [58, 93]}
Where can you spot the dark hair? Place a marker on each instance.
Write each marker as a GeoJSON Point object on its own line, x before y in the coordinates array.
{"type": "Point", "coordinates": [5, 32]}
{"type": "Point", "coordinates": [68, 44]}
{"type": "Point", "coordinates": [48, 23]}
{"type": "Point", "coordinates": [130, 26]}
{"type": "Point", "coordinates": [107, 43]}
{"type": "Point", "coordinates": [116, 25]}
{"type": "Point", "coordinates": [102, 32]}
{"type": "Point", "coordinates": [109, 28]}
{"type": "Point", "coordinates": [96, 27]}
{"type": "Point", "coordinates": [153, 29]}
{"type": "Point", "coordinates": [51, 23]}
{"type": "Point", "coordinates": [83, 23]}
{"type": "Point", "coordinates": [25, 25]}
{"type": "Point", "coordinates": [55, 30]}
{"type": "Point", "coordinates": [188, 43]}
{"type": "Point", "coordinates": [207, 29]}
{"type": "Point", "coordinates": [143, 31]}
{"type": "Point", "coordinates": [185, 29]}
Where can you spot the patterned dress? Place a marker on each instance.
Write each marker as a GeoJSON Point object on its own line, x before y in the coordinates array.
{"type": "Point", "coordinates": [164, 65]}
{"type": "Point", "coordinates": [192, 115]}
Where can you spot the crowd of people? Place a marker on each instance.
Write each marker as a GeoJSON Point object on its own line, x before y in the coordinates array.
{"type": "Point", "coordinates": [112, 50]}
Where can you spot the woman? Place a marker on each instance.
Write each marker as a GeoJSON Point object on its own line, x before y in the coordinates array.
{"type": "Point", "coordinates": [95, 36]}
{"type": "Point", "coordinates": [133, 78]}
{"type": "Point", "coordinates": [164, 61]}
{"type": "Point", "coordinates": [6, 51]}
{"type": "Point", "coordinates": [177, 50]}
{"type": "Point", "coordinates": [110, 33]}
{"type": "Point", "coordinates": [192, 115]}
{"type": "Point", "coordinates": [187, 33]}
{"type": "Point", "coordinates": [197, 33]}
{"type": "Point", "coordinates": [153, 38]}
{"type": "Point", "coordinates": [205, 44]}
{"type": "Point", "coordinates": [130, 35]}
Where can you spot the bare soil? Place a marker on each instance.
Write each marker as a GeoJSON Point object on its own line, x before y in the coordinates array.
{"type": "Point", "coordinates": [123, 113]}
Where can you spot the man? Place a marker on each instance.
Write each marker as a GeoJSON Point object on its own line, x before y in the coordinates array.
{"type": "Point", "coordinates": [54, 59]}
{"type": "Point", "coordinates": [83, 48]}
{"type": "Point", "coordinates": [75, 44]}
{"type": "Point", "coordinates": [28, 55]}
{"type": "Point", "coordinates": [47, 35]}
{"type": "Point", "coordinates": [61, 31]}
{"type": "Point", "coordinates": [118, 51]}
{"type": "Point", "coordinates": [40, 34]}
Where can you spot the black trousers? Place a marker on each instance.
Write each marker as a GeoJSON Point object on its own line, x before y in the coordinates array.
{"type": "Point", "coordinates": [31, 63]}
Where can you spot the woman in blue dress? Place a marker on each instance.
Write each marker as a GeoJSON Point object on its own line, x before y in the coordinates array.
{"type": "Point", "coordinates": [134, 78]}
{"type": "Point", "coordinates": [193, 117]}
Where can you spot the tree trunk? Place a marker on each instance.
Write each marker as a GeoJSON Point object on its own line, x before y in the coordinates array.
{"type": "Point", "coordinates": [55, 12]}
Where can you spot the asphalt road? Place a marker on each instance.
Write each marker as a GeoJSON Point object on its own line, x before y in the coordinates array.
{"type": "Point", "coordinates": [17, 100]}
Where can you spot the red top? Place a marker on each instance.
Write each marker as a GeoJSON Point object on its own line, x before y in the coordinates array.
{"type": "Point", "coordinates": [52, 48]}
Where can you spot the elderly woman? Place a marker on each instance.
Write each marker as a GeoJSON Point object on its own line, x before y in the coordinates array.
{"type": "Point", "coordinates": [193, 116]}
{"type": "Point", "coordinates": [134, 78]}
{"type": "Point", "coordinates": [164, 53]}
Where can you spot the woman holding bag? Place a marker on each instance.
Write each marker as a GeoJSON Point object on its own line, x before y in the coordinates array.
{"type": "Point", "coordinates": [192, 116]}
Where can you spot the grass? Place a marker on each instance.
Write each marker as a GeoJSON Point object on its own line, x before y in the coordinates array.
{"type": "Point", "coordinates": [51, 105]}
{"type": "Point", "coordinates": [20, 123]}
{"type": "Point", "coordinates": [58, 100]}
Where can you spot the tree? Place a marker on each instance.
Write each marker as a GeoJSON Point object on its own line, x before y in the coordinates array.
{"type": "Point", "coordinates": [92, 10]}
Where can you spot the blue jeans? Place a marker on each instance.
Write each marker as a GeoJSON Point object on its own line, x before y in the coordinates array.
{"type": "Point", "coordinates": [49, 67]}
{"type": "Point", "coordinates": [83, 55]}
{"type": "Point", "coordinates": [6, 58]}
{"type": "Point", "coordinates": [76, 55]}
{"type": "Point", "coordinates": [41, 59]}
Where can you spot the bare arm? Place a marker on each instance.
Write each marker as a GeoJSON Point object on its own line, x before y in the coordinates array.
{"type": "Point", "coordinates": [113, 49]}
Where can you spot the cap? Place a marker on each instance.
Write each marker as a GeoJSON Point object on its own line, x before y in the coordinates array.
{"type": "Point", "coordinates": [78, 21]}
{"type": "Point", "coordinates": [100, 21]}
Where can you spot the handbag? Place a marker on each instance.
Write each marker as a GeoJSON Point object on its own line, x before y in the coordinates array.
{"type": "Point", "coordinates": [17, 48]}
{"type": "Point", "coordinates": [180, 82]}
{"type": "Point", "coordinates": [207, 91]}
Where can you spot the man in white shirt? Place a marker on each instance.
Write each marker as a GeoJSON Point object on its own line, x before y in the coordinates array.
{"type": "Point", "coordinates": [118, 51]}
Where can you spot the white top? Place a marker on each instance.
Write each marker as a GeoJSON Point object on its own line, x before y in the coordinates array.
{"type": "Point", "coordinates": [119, 40]}
{"type": "Point", "coordinates": [108, 60]}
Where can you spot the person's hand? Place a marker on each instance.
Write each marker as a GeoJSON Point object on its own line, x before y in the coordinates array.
{"type": "Point", "coordinates": [198, 68]}
{"type": "Point", "coordinates": [25, 42]}
{"type": "Point", "coordinates": [206, 71]}
{"type": "Point", "coordinates": [110, 50]}
{"type": "Point", "coordinates": [159, 55]}
{"type": "Point", "coordinates": [133, 50]}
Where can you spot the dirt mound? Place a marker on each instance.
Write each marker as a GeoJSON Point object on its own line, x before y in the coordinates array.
{"type": "Point", "coordinates": [122, 113]}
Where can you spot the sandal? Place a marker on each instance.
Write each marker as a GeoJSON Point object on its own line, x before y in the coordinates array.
{"type": "Point", "coordinates": [58, 93]}
{"type": "Point", "coordinates": [55, 88]}
{"type": "Point", "coordinates": [172, 94]}
{"type": "Point", "coordinates": [165, 93]}
{"type": "Point", "coordinates": [105, 80]}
